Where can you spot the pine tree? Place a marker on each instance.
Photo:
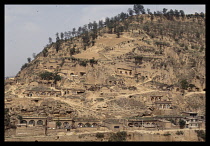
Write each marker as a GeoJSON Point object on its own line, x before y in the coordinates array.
{"type": "Point", "coordinates": [148, 11]}
{"type": "Point", "coordinates": [73, 31]}
{"type": "Point", "coordinates": [139, 8]}
{"type": "Point", "coordinates": [62, 35]}
{"type": "Point", "coordinates": [164, 11]}
{"type": "Point", "coordinates": [130, 11]}
{"type": "Point", "coordinates": [50, 40]}
{"type": "Point", "coordinates": [34, 55]}
{"type": "Point", "coordinates": [57, 37]}
{"type": "Point", "coordinates": [182, 13]}
{"type": "Point", "coordinates": [29, 59]}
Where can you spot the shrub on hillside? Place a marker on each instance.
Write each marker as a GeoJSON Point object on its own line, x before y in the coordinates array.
{"type": "Point", "coordinates": [179, 133]}
{"type": "Point", "coordinates": [201, 134]}
{"type": "Point", "coordinates": [50, 76]}
{"type": "Point", "coordinates": [24, 66]}
{"type": "Point", "coordinates": [182, 124]}
{"type": "Point", "coordinates": [93, 61]}
{"type": "Point", "coordinates": [46, 75]}
{"type": "Point", "coordinates": [119, 136]}
{"type": "Point", "coordinates": [83, 63]}
{"type": "Point", "coordinates": [166, 134]}
{"type": "Point", "coordinates": [100, 135]}
{"type": "Point", "coordinates": [184, 84]}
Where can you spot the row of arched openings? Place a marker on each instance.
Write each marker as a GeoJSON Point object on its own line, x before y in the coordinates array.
{"type": "Point", "coordinates": [65, 124]}
{"type": "Point", "coordinates": [87, 125]}
{"type": "Point", "coordinates": [32, 122]}
{"type": "Point", "coordinates": [140, 124]}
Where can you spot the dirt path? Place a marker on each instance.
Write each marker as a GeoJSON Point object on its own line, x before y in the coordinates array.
{"type": "Point", "coordinates": [190, 93]}
{"type": "Point", "coordinates": [78, 107]}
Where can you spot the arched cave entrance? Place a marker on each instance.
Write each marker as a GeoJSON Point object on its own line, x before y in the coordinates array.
{"type": "Point", "coordinates": [39, 122]}
{"type": "Point", "coordinates": [32, 122]}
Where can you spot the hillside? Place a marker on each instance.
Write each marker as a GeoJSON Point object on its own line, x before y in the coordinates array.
{"type": "Point", "coordinates": [119, 73]}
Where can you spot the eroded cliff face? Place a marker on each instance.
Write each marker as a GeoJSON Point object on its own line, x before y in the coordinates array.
{"type": "Point", "coordinates": [110, 78]}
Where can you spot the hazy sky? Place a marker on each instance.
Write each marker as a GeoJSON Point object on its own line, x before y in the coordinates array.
{"type": "Point", "coordinates": [28, 27]}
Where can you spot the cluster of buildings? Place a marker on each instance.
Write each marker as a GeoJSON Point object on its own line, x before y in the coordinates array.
{"type": "Point", "coordinates": [48, 124]}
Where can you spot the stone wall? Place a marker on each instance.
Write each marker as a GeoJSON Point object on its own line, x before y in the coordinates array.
{"type": "Point", "coordinates": [51, 132]}
{"type": "Point", "coordinates": [87, 129]}
{"type": "Point", "coordinates": [30, 131]}
{"type": "Point", "coordinates": [188, 135]}
{"type": "Point", "coordinates": [9, 132]}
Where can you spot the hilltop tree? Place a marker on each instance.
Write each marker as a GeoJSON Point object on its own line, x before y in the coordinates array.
{"type": "Point", "coordinates": [148, 11]}
{"type": "Point", "coordinates": [73, 31]}
{"type": "Point", "coordinates": [65, 35]}
{"type": "Point", "coordinates": [109, 23]}
{"type": "Point", "coordinates": [159, 13]}
{"type": "Point", "coordinates": [155, 13]}
{"type": "Point", "coordinates": [165, 11]}
{"type": "Point", "coordinates": [79, 30]}
{"type": "Point", "coordinates": [90, 25]}
{"type": "Point", "coordinates": [107, 20]}
{"type": "Point", "coordinates": [130, 11]}
{"type": "Point", "coordinates": [117, 18]}
{"type": "Point", "coordinates": [127, 15]}
{"type": "Point", "coordinates": [24, 66]}
{"type": "Point", "coordinates": [62, 35]}
{"type": "Point", "coordinates": [202, 14]}
{"type": "Point", "coordinates": [85, 38]}
{"type": "Point", "coordinates": [176, 13]}
{"type": "Point", "coordinates": [182, 13]}
{"type": "Point", "coordinates": [69, 34]}
{"type": "Point", "coordinates": [57, 45]}
{"type": "Point", "coordinates": [100, 23]}
{"type": "Point", "coordinates": [170, 14]}
{"type": "Point", "coordinates": [34, 55]}
{"type": "Point", "coordinates": [196, 14]}
{"type": "Point", "coordinates": [139, 8]}
{"type": "Point", "coordinates": [45, 51]}
{"type": "Point", "coordinates": [122, 16]}
{"type": "Point", "coordinates": [136, 9]}
{"type": "Point", "coordinates": [84, 29]}
{"type": "Point", "coordinates": [142, 11]}
{"type": "Point", "coordinates": [95, 26]}
{"type": "Point", "coordinates": [50, 40]}
{"type": "Point", "coordinates": [29, 59]}
{"type": "Point", "coordinates": [57, 37]}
